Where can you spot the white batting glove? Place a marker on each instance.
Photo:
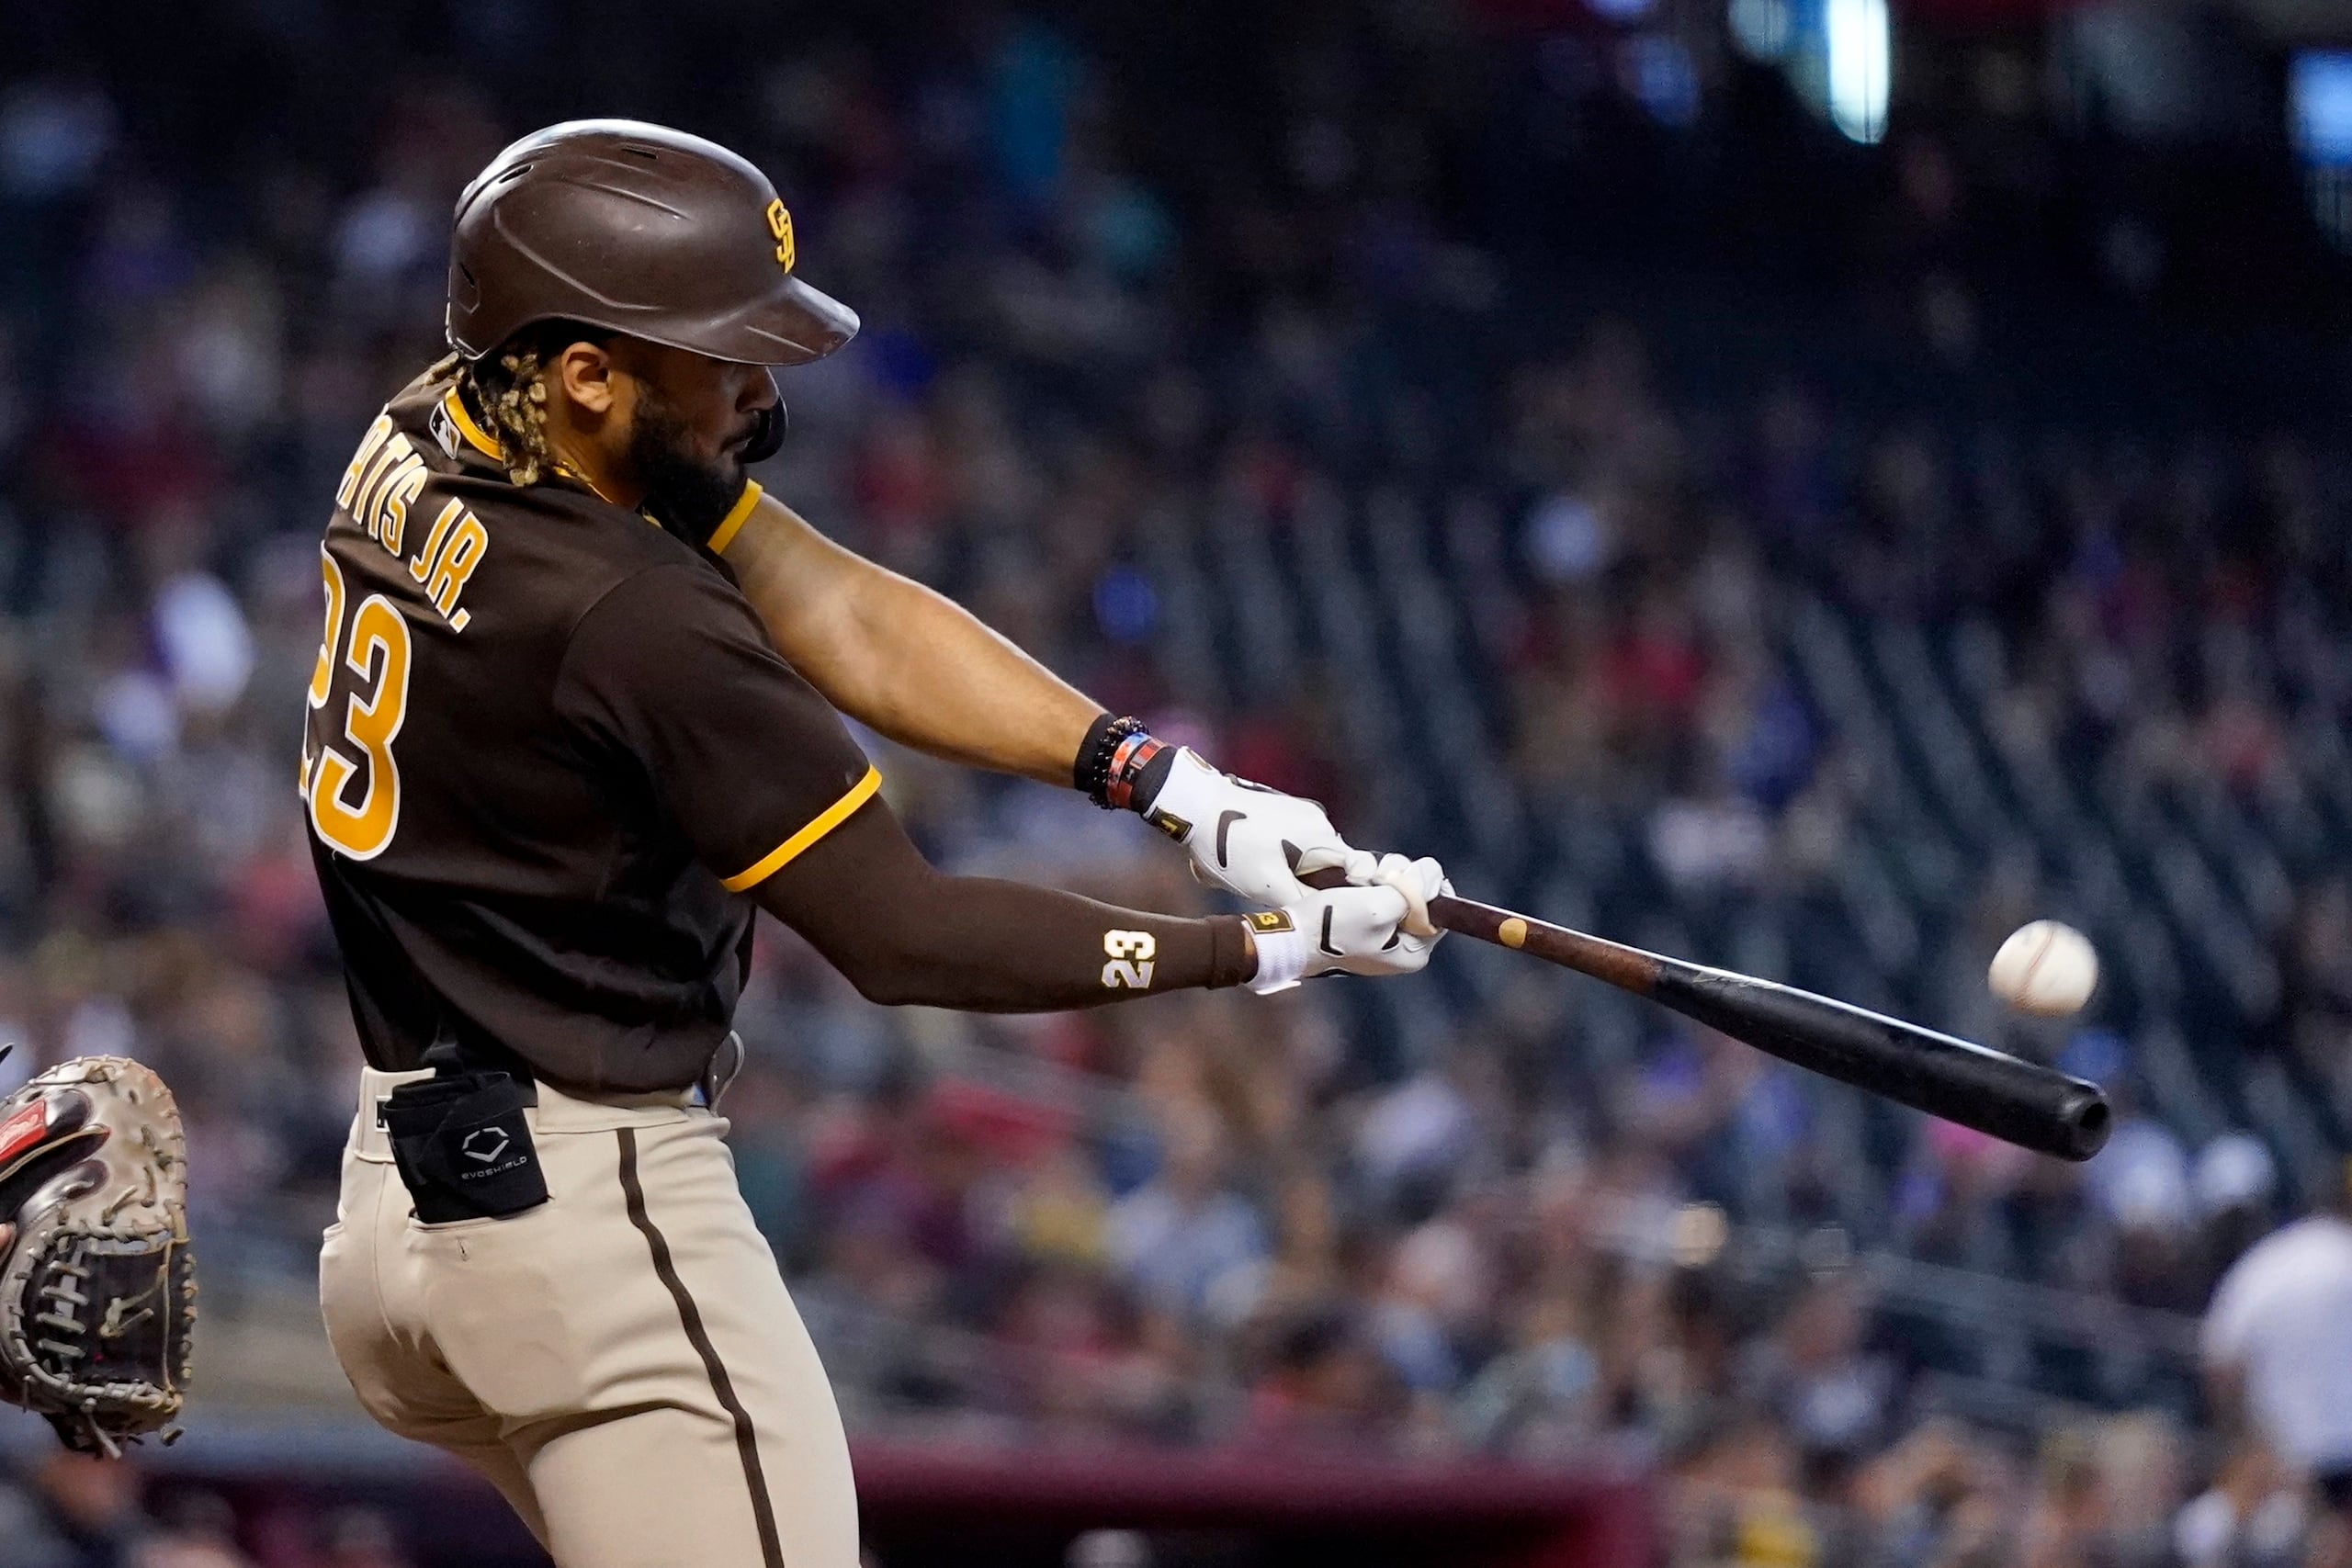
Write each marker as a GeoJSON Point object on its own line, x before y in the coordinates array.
{"type": "Point", "coordinates": [1248, 840]}
{"type": "Point", "coordinates": [1420, 881]}
{"type": "Point", "coordinates": [1353, 930]}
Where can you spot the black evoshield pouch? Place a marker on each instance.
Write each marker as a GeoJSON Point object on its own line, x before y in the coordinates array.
{"type": "Point", "coordinates": [462, 1148]}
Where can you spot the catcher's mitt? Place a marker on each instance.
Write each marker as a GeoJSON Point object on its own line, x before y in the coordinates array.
{"type": "Point", "coordinates": [97, 1289]}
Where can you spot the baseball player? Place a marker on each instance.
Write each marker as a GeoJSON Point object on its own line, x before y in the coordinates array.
{"type": "Point", "coordinates": [574, 714]}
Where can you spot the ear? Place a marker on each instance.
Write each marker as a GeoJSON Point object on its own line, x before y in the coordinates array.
{"type": "Point", "coordinates": [588, 379]}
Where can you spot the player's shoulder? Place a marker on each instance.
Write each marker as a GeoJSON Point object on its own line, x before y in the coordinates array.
{"type": "Point", "coordinates": [678, 636]}
{"type": "Point", "coordinates": [667, 596]}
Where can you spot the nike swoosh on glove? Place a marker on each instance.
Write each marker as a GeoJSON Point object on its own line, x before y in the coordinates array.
{"type": "Point", "coordinates": [1351, 930]}
{"type": "Point", "coordinates": [1248, 840]}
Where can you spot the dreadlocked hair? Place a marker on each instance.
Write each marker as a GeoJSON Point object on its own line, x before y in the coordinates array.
{"type": "Point", "coordinates": [509, 386]}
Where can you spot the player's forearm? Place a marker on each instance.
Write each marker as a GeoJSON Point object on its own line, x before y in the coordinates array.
{"type": "Point", "coordinates": [906, 934]}
{"type": "Point", "coordinates": [934, 677]}
{"type": "Point", "coordinates": [996, 946]}
{"type": "Point", "coordinates": [903, 660]}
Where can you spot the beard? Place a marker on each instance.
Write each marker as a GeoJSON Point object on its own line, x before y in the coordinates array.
{"type": "Point", "coordinates": [686, 494]}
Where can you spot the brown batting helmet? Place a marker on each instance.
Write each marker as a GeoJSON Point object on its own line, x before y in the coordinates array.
{"type": "Point", "coordinates": [640, 229]}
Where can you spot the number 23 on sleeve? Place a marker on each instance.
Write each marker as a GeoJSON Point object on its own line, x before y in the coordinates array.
{"type": "Point", "coordinates": [1131, 955]}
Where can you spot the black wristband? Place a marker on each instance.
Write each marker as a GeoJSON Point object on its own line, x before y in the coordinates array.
{"type": "Point", "coordinates": [1090, 772]}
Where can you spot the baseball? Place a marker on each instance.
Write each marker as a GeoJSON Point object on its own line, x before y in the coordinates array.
{"type": "Point", "coordinates": [2046, 969]}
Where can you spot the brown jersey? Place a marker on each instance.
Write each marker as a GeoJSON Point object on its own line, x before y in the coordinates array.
{"type": "Point", "coordinates": [549, 747]}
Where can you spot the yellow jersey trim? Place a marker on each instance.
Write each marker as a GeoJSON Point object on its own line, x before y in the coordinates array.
{"type": "Point", "coordinates": [833, 816]}
{"type": "Point", "coordinates": [732, 523]}
{"type": "Point", "coordinates": [456, 408]}
{"type": "Point", "coordinates": [566, 470]}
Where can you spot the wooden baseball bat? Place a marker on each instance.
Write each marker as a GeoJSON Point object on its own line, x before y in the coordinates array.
{"type": "Point", "coordinates": [2018, 1101]}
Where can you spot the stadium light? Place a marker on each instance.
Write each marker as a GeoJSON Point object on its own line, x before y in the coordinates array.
{"type": "Point", "coordinates": [1860, 66]}
{"type": "Point", "coordinates": [2319, 110]}
{"type": "Point", "coordinates": [2319, 92]}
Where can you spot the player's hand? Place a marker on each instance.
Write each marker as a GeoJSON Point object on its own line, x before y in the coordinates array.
{"type": "Point", "coordinates": [1250, 841]}
{"type": "Point", "coordinates": [1418, 880]}
{"type": "Point", "coordinates": [1357, 930]}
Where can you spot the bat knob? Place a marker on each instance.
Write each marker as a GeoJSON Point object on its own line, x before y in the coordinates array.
{"type": "Point", "coordinates": [2086, 1120]}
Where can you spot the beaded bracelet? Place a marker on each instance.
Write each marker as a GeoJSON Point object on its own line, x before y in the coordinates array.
{"type": "Point", "coordinates": [1095, 770]}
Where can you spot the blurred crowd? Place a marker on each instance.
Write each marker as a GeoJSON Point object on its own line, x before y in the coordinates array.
{"type": "Point", "coordinates": [64, 1511]}
{"type": "Point", "coordinates": [1510, 1225]}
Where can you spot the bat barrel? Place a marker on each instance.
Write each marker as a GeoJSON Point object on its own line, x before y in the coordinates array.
{"type": "Point", "coordinates": [2016, 1101]}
